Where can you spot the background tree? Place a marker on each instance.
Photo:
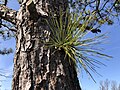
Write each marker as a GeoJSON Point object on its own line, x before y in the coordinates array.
{"type": "Point", "coordinates": [104, 85]}
{"type": "Point", "coordinates": [114, 85]}
{"type": "Point", "coordinates": [109, 85]}
{"type": "Point", "coordinates": [40, 64]}
{"type": "Point", "coordinates": [119, 87]}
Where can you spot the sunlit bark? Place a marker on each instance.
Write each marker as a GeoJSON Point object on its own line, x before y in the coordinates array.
{"type": "Point", "coordinates": [35, 66]}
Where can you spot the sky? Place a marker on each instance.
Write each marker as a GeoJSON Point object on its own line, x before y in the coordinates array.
{"type": "Point", "coordinates": [111, 71]}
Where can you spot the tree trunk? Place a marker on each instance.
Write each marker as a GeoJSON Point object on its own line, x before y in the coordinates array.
{"type": "Point", "coordinates": [35, 66]}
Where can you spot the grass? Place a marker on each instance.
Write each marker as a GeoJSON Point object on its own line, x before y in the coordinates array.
{"type": "Point", "coordinates": [67, 34]}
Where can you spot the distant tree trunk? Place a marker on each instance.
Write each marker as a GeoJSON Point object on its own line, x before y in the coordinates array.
{"type": "Point", "coordinates": [35, 66]}
{"type": "Point", "coordinates": [119, 87]}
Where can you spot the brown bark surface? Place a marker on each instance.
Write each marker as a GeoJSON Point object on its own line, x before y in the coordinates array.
{"type": "Point", "coordinates": [35, 66]}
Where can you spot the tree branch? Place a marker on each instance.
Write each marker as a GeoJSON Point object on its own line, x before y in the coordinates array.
{"type": "Point", "coordinates": [8, 14]}
{"type": "Point", "coordinates": [11, 29]}
{"type": "Point", "coordinates": [93, 30]}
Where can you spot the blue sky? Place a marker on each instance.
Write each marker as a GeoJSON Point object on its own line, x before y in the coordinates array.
{"type": "Point", "coordinates": [111, 71]}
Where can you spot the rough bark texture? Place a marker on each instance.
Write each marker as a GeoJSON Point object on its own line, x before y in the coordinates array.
{"type": "Point", "coordinates": [7, 14]}
{"type": "Point", "coordinates": [35, 66]}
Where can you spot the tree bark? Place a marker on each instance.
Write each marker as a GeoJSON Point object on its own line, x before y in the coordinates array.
{"type": "Point", "coordinates": [8, 14]}
{"type": "Point", "coordinates": [35, 66]}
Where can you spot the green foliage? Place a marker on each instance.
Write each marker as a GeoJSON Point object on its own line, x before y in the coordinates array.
{"type": "Point", "coordinates": [4, 2]}
{"type": "Point", "coordinates": [106, 10]}
{"type": "Point", "coordinates": [117, 6]}
{"type": "Point", "coordinates": [6, 51]}
{"type": "Point", "coordinates": [68, 35]}
{"type": "Point", "coordinates": [20, 1]}
{"type": "Point", "coordinates": [5, 34]}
